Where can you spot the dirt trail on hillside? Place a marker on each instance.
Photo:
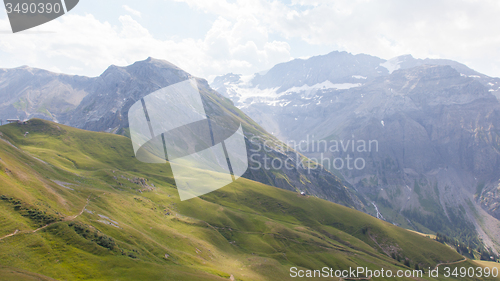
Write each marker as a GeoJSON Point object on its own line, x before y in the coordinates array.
{"type": "Point", "coordinates": [450, 263]}
{"type": "Point", "coordinates": [47, 225]}
{"type": "Point", "coordinates": [9, 235]}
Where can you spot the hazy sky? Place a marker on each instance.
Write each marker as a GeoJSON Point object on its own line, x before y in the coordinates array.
{"type": "Point", "coordinates": [213, 37]}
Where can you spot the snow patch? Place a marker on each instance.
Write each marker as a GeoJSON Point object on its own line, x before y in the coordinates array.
{"type": "Point", "coordinates": [392, 64]}
{"type": "Point", "coordinates": [323, 86]}
{"type": "Point", "coordinates": [246, 79]}
{"type": "Point", "coordinates": [248, 96]}
{"type": "Point", "coordinates": [244, 95]}
{"type": "Point", "coordinates": [359, 77]}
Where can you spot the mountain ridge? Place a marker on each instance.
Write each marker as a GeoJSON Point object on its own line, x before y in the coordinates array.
{"type": "Point", "coordinates": [308, 107]}
{"type": "Point", "coordinates": [110, 95]}
{"type": "Point", "coordinates": [435, 121]}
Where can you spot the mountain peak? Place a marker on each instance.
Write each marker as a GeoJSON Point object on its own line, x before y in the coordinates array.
{"type": "Point", "coordinates": [155, 62]}
{"type": "Point", "coordinates": [149, 63]}
{"type": "Point", "coordinates": [148, 69]}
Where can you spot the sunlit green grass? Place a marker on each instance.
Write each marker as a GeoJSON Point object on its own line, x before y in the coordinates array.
{"type": "Point", "coordinates": [247, 229]}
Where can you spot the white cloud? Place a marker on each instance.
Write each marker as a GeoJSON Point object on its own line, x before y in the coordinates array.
{"type": "Point", "coordinates": [461, 30]}
{"type": "Point", "coordinates": [243, 46]}
{"type": "Point", "coordinates": [85, 43]}
{"type": "Point", "coordinates": [247, 36]}
{"type": "Point", "coordinates": [132, 11]}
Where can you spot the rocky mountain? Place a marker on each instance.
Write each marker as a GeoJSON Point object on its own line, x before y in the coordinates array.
{"type": "Point", "coordinates": [410, 141]}
{"type": "Point", "coordinates": [418, 138]}
{"type": "Point", "coordinates": [27, 92]}
{"type": "Point", "coordinates": [102, 103]}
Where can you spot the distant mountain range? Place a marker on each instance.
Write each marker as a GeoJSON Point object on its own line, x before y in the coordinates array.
{"type": "Point", "coordinates": [430, 128]}
{"type": "Point", "coordinates": [102, 103]}
{"type": "Point", "coordinates": [435, 124]}
{"type": "Point", "coordinates": [99, 103]}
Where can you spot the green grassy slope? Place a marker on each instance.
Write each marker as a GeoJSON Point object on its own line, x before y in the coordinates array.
{"type": "Point", "coordinates": [112, 217]}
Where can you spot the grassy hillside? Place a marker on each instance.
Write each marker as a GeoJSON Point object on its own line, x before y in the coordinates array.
{"type": "Point", "coordinates": [111, 217]}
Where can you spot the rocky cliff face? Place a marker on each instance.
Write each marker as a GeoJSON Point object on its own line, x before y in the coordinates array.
{"type": "Point", "coordinates": [112, 93]}
{"type": "Point", "coordinates": [28, 93]}
{"type": "Point", "coordinates": [432, 125]}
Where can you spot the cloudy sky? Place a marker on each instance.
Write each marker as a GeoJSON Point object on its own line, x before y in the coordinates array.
{"type": "Point", "coordinates": [213, 37]}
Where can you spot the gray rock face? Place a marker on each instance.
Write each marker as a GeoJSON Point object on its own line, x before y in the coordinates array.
{"type": "Point", "coordinates": [336, 67]}
{"type": "Point", "coordinates": [112, 93]}
{"type": "Point", "coordinates": [433, 125]}
{"type": "Point", "coordinates": [27, 93]}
